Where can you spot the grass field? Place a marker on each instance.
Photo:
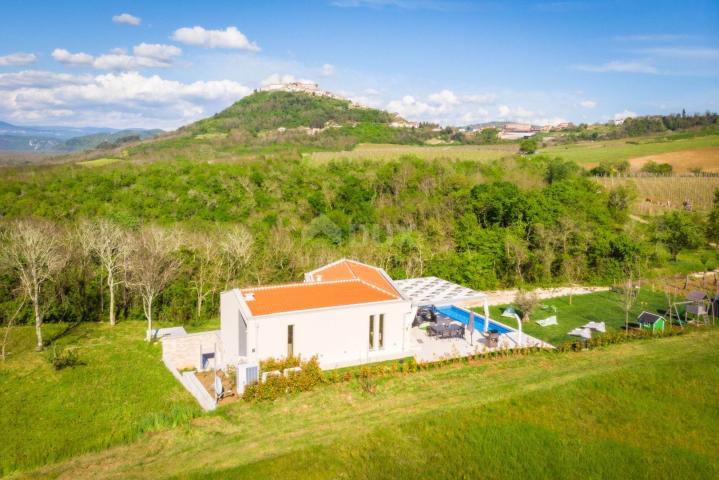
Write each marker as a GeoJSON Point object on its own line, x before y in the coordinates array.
{"type": "Point", "coordinates": [595, 307]}
{"type": "Point", "coordinates": [643, 409]}
{"type": "Point", "coordinates": [98, 162]}
{"type": "Point", "coordinates": [384, 152]}
{"type": "Point", "coordinates": [593, 153]}
{"type": "Point", "coordinates": [121, 391]}
{"type": "Point", "coordinates": [656, 195]}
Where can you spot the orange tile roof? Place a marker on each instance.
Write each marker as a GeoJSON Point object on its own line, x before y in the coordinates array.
{"type": "Point", "coordinates": [305, 296]}
{"type": "Point", "coordinates": [349, 269]}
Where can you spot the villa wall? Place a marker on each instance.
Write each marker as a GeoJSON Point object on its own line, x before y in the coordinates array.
{"type": "Point", "coordinates": [184, 352]}
{"type": "Point", "coordinates": [338, 336]}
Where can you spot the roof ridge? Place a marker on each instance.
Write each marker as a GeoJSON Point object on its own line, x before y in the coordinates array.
{"type": "Point", "coordinates": [377, 288]}
{"type": "Point", "coordinates": [298, 284]}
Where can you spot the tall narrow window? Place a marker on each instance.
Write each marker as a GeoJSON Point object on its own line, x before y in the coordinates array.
{"type": "Point", "coordinates": [381, 330]}
{"type": "Point", "coordinates": [371, 332]}
{"type": "Point", "coordinates": [290, 340]}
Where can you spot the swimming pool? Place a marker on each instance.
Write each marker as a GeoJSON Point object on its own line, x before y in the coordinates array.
{"type": "Point", "coordinates": [462, 315]}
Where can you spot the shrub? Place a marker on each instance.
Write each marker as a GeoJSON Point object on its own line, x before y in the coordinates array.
{"type": "Point", "coordinates": [274, 387]}
{"type": "Point", "coordinates": [66, 358]}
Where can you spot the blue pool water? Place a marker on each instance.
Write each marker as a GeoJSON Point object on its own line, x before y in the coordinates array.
{"type": "Point", "coordinates": [462, 315]}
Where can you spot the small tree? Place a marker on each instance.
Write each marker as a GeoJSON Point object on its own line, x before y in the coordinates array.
{"type": "Point", "coordinates": [206, 264]}
{"type": "Point", "coordinates": [677, 231]}
{"type": "Point", "coordinates": [527, 303]}
{"type": "Point", "coordinates": [152, 266]}
{"type": "Point", "coordinates": [528, 146]}
{"type": "Point", "coordinates": [33, 249]}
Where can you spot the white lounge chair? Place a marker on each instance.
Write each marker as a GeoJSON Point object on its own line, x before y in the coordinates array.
{"type": "Point", "coordinates": [596, 326]}
{"type": "Point", "coordinates": [581, 332]}
{"type": "Point", "coordinates": [547, 321]}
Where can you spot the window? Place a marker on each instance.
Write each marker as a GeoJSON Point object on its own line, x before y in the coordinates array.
{"type": "Point", "coordinates": [371, 332]}
{"type": "Point", "coordinates": [290, 340]}
{"type": "Point", "coordinates": [381, 330]}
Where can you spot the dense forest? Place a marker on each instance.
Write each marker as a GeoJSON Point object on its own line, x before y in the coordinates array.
{"type": "Point", "coordinates": [208, 227]}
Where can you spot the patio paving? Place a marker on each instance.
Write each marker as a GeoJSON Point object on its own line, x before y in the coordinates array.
{"type": "Point", "coordinates": [430, 349]}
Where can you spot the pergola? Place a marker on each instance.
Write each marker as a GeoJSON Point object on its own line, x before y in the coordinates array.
{"type": "Point", "coordinates": [436, 291]}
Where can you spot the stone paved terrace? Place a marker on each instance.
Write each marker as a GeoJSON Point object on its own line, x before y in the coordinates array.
{"type": "Point", "coordinates": [429, 349]}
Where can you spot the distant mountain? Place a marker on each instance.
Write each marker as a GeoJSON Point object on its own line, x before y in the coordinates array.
{"type": "Point", "coordinates": [44, 139]}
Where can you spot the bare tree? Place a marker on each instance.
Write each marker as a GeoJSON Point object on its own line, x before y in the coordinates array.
{"type": "Point", "coordinates": [108, 242]}
{"type": "Point", "coordinates": [153, 264]}
{"type": "Point", "coordinates": [236, 250]}
{"type": "Point", "coordinates": [207, 265]}
{"type": "Point", "coordinates": [629, 291]}
{"type": "Point", "coordinates": [9, 325]}
{"type": "Point", "coordinates": [34, 251]}
{"type": "Point", "coordinates": [572, 267]}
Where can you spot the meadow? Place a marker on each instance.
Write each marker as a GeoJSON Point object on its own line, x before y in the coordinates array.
{"type": "Point", "coordinates": [594, 152]}
{"type": "Point", "coordinates": [641, 409]}
{"type": "Point", "coordinates": [118, 391]}
{"type": "Point", "coordinates": [596, 307]}
{"type": "Point", "coordinates": [384, 152]}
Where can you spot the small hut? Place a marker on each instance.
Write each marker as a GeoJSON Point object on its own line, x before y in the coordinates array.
{"type": "Point", "coordinates": [651, 321]}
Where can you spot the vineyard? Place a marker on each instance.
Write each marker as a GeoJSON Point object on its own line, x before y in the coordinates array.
{"type": "Point", "coordinates": [659, 194]}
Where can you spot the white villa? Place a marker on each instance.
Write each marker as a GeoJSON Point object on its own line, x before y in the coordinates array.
{"type": "Point", "coordinates": [346, 313]}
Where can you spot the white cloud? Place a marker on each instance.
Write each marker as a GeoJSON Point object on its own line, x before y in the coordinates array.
{"type": "Point", "coordinates": [80, 58]}
{"type": "Point", "coordinates": [481, 99]}
{"type": "Point", "coordinates": [689, 53]}
{"type": "Point", "coordinates": [127, 19]}
{"type": "Point", "coordinates": [121, 61]}
{"type": "Point", "coordinates": [444, 98]}
{"type": "Point", "coordinates": [19, 58]}
{"type": "Point", "coordinates": [624, 114]}
{"type": "Point", "coordinates": [145, 56]}
{"type": "Point", "coordinates": [277, 79]}
{"type": "Point", "coordinates": [620, 67]}
{"type": "Point", "coordinates": [588, 104]}
{"type": "Point", "coordinates": [157, 51]}
{"type": "Point", "coordinates": [39, 79]}
{"type": "Point", "coordinates": [230, 37]}
{"type": "Point", "coordinates": [115, 99]}
{"type": "Point", "coordinates": [660, 37]}
{"type": "Point", "coordinates": [327, 70]}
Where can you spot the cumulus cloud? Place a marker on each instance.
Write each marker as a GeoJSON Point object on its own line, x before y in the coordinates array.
{"type": "Point", "coordinates": [145, 55]}
{"type": "Point", "coordinates": [127, 19]}
{"type": "Point", "coordinates": [620, 67]}
{"type": "Point", "coordinates": [482, 99]}
{"type": "Point", "coordinates": [281, 79]}
{"type": "Point", "coordinates": [444, 98]}
{"type": "Point", "coordinates": [64, 56]}
{"type": "Point", "coordinates": [157, 51]}
{"type": "Point", "coordinates": [19, 58]}
{"type": "Point", "coordinates": [588, 104]}
{"type": "Point", "coordinates": [39, 79]}
{"type": "Point", "coordinates": [327, 70]}
{"type": "Point", "coordinates": [230, 37]}
{"type": "Point", "coordinates": [624, 114]}
{"type": "Point", "coordinates": [114, 99]}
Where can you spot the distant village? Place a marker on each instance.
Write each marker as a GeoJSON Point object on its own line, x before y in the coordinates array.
{"type": "Point", "coordinates": [507, 130]}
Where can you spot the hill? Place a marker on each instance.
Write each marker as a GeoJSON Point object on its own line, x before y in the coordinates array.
{"type": "Point", "coordinates": [23, 139]}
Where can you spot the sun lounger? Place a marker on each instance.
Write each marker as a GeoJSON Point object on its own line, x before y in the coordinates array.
{"type": "Point", "coordinates": [581, 332]}
{"type": "Point", "coordinates": [596, 326]}
{"type": "Point", "coordinates": [547, 321]}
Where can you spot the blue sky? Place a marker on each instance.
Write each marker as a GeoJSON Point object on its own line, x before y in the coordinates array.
{"type": "Point", "coordinates": [166, 63]}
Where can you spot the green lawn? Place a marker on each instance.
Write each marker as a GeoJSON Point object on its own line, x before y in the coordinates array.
{"type": "Point", "coordinates": [642, 409]}
{"type": "Point", "coordinates": [594, 307]}
{"type": "Point", "coordinates": [624, 149]}
{"type": "Point", "coordinates": [122, 390]}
